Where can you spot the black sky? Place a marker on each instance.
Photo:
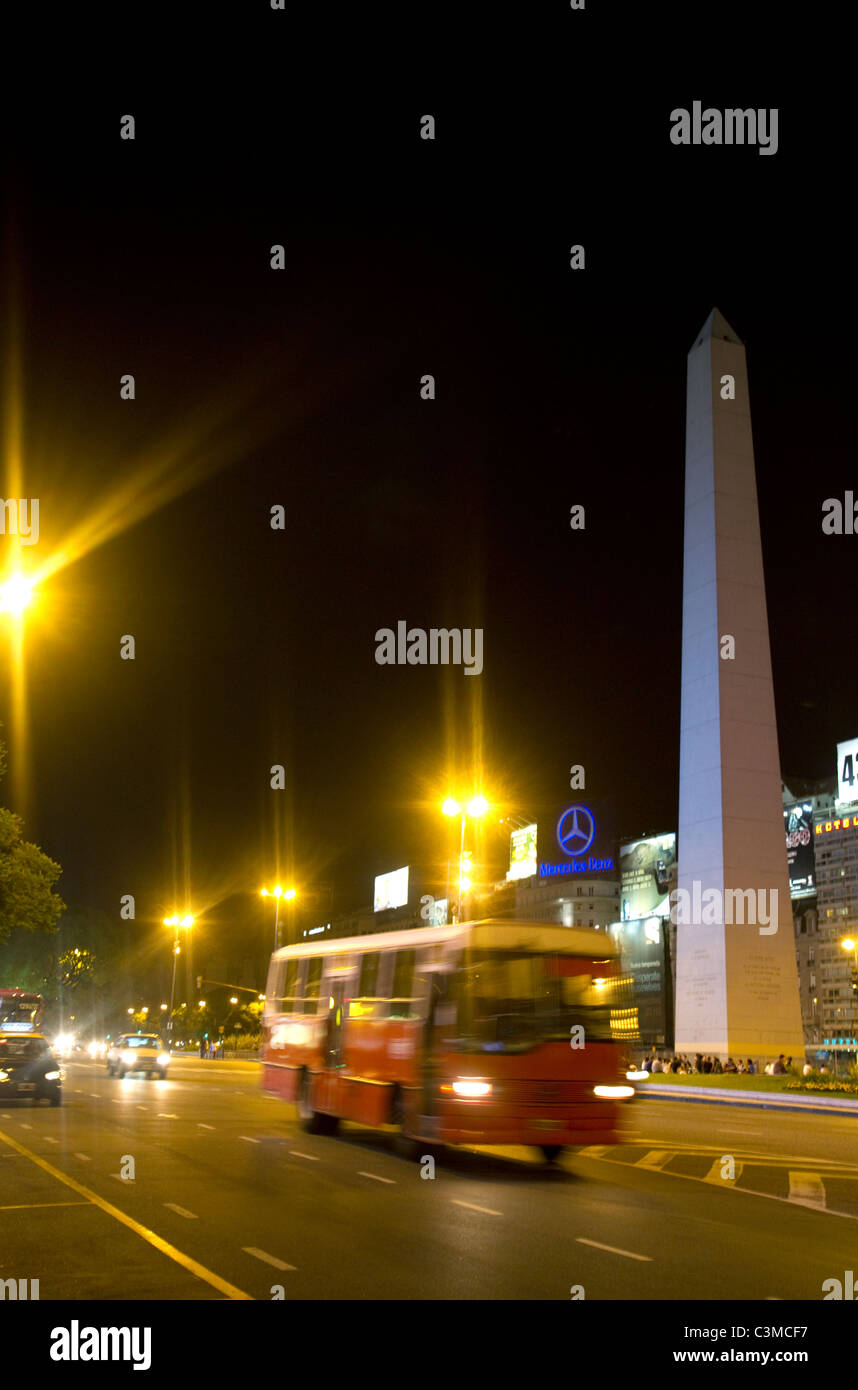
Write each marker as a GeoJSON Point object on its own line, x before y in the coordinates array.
{"type": "Point", "coordinates": [553, 388]}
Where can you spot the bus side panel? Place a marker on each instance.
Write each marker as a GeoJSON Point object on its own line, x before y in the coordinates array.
{"type": "Point", "coordinates": [383, 1049]}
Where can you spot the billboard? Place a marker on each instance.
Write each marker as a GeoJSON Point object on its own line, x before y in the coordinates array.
{"type": "Point", "coordinates": [391, 890]}
{"type": "Point", "coordinates": [522, 853]}
{"type": "Point", "coordinates": [847, 770]}
{"type": "Point", "coordinates": [798, 826]}
{"type": "Point", "coordinates": [645, 867]}
{"type": "Point", "coordinates": [645, 955]}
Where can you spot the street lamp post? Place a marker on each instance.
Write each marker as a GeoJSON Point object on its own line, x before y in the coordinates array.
{"type": "Point", "coordinates": [849, 943]}
{"type": "Point", "coordinates": [476, 807]}
{"type": "Point", "coordinates": [175, 921]}
{"type": "Point", "coordinates": [289, 894]}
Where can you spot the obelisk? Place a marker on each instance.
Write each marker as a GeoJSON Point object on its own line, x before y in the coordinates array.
{"type": "Point", "coordinates": [736, 980]}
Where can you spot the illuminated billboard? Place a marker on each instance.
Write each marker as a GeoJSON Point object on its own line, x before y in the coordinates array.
{"type": "Point", "coordinates": [645, 956]}
{"type": "Point", "coordinates": [798, 825]}
{"type": "Point", "coordinates": [391, 890]}
{"type": "Point", "coordinates": [847, 771]}
{"type": "Point", "coordinates": [645, 867]}
{"type": "Point", "coordinates": [522, 853]}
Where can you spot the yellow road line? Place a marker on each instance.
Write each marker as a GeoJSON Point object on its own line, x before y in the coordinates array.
{"type": "Point", "coordinates": [30, 1206]}
{"type": "Point", "coordinates": [193, 1266]}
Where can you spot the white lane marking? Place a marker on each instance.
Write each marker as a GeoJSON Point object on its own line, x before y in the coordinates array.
{"type": "Point", "coordinates": [728, 1129]}
{"type": "Point", "coordinates": [296, 1153]}
{"type": "Point", "coordinates": [750, 1192]}
{"type": "Point", "coordinates": [200, 1125]}
{"type": "Point", "coordinates": [595, 1150]}
{"type": "Point", "coordinates": [23, 1126]}
{"type": "Point", "coordinates": [165, 1115]}
{"type": "Point", "coordinates": [182, 1211]}
{"type": "Point", "coordinates": [269, 1259]}
{"type": "Point", "coordinates": [142, 1107]}
{"type": "Point", "coordinates": [93, 1095]}
{"type": "Point", "coordinates": [375, 1176]}
{"type": "Point", "coordinates": [115, 1101]}
{"type": "Point", "coordinates": [715, 1173]}
{"type": "Point", "coordinates": [614, 1250]}
{"type": "Point", "coordinates": [129, 1182]}
{"type": "Point", "coordinates": [248, 1140]}
{"type": "Point", "coordinates": [655, 1158]}
{"type": "Point", "coordinates": [806, 1189]}
{"type": "Point", "coordinates": [86, 1158]}
{"type": "Point", "coordinates": [473, 1207]}
{"type": "Point", "coordinates": [50, 1140]}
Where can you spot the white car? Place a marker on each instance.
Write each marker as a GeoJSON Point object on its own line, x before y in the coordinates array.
{"type": "Point", "coordinates": [137, 1052]}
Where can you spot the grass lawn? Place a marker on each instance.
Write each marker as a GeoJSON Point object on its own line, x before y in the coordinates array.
{"type": "Point", "coordinates": [740, 1083]}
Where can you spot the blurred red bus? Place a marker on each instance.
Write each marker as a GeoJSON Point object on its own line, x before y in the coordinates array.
{"type": "Point", "coordinates": [20, 1011]}
{"type": "Point", "coordinates": [466, 1034]}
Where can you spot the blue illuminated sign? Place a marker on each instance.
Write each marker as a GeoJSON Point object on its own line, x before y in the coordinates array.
{"type": "Point", "coordinates": [576, 830]}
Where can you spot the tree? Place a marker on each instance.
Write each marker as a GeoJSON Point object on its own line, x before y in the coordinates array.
{"type": "Point", "coordinates": [27, 880]}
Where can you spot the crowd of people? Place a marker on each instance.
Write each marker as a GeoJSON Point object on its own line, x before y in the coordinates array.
{"type": "Point", "coordinates": [706, 1066]}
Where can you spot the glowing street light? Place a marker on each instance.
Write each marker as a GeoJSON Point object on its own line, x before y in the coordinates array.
{"type": "Point", "coordinates": [176, 921]}
{"type": "Point", "coordinates": [16, 595]}
{"type": "Point", "coordinates": [476, 807]}
{"type": "Point", "coordinates": [289, 895]}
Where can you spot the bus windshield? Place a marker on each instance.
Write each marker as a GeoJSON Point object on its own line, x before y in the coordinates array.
{"type": "Point", "coordinates": [510, 1001]}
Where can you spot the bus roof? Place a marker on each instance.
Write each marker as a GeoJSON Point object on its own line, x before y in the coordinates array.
{"type": "Point", "coordinates": [495, 934]}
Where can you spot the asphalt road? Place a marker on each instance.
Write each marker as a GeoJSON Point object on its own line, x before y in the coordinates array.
{"type": "Point", "coordinates": [229, 1198]}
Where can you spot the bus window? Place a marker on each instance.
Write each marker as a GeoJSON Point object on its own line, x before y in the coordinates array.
{"type": "Point", "coordinates": [312, 987]}
{"type": "Point", "coordinates": [290, 988]}
{"type": "Point", "coordinates": [368, 975]}
{"type": "Point", "coordinates": [513, 1002]}
{"type": "Point", "coordinates": [402, 1004]}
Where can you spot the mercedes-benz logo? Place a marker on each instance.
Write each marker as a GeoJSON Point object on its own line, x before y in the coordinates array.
{"type": "Point", "coordinates": [576, 831]}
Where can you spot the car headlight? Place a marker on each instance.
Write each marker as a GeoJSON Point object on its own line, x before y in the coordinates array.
{"type": "Point", "coordinates": [163, 1058]}
{"type": "Point", "coordinates": [127, 1056]}
{"type": "Point", "coordinates": [473, 1089]}
{"type": "Point", "coordinates": [4, 1076]}
{"type": "Point", "coordinates": [53, 1075]}
{"type": "Point", "coordinates": [613, 1092]}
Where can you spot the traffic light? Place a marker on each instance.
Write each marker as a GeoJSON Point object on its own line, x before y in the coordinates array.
{"type": "Point", "coordinates": [199, 982]}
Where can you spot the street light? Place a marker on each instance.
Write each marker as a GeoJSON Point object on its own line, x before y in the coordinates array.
{"type": "Point", "coordinates": [476, 807]}
{"type": "Point", "coordinates": [289, 894]}
{"type": "Point", "coordinates": [850, 944]}
{"type": "Point", "coordinates": [16, 595]}
{"type": "Point", "coordinates": [175, 921]}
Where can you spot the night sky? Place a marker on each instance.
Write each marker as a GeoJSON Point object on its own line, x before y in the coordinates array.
{"type": "Point", "coordinates": [302, 388]}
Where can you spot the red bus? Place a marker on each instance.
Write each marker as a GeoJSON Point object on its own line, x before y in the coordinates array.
{"type": "Point", "coordinates": [491, 1032]}
{"type": "Point", "coordinates": [20, 1011]}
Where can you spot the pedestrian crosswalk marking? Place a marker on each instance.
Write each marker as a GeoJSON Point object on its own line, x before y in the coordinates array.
{"type": "Point", "coordinates": [806, 1189]}
{"type": "Point", "coordinates": [715, 1174]}
{"type": "Point", "coordinates": [655, 1158]}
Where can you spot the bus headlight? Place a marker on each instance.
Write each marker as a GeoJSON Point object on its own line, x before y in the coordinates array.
{"type": "Point", "coordinates": [613, 1092]}
{"type": "Point", "coordinates": [637, 1076]}
{"type": "Point", "coordinates": [473, 1089]}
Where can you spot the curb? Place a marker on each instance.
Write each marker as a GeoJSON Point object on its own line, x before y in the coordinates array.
{"type": "Point", "coordinates": [754, 1100]}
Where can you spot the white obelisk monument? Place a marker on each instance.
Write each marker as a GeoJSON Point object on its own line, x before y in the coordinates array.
{"type": "Point", "coordinates": [736, 978]}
